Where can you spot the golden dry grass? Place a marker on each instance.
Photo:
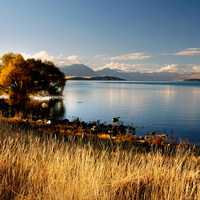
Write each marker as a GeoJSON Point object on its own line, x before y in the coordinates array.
{"type": "Point", "coordinates": [31, 168]}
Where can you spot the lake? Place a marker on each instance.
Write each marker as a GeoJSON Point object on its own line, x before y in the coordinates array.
{"type": "Point", "coordinates": [172, 107]}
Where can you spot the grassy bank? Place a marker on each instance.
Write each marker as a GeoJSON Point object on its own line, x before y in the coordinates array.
{"type": "Point", "coordinates": [35, 168]}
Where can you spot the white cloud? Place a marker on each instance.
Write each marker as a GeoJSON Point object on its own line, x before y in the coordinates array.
{"type": "Point", "coordinates": [151, 68]}
{"type": "Point", "coordinates": [131, 56]}
{"type": "Point", "coordinates": [58, 60]}
{"type": "Point", "coordinates": [101, 56]}
{"type": "Point", "coordinates": [196, 69]}
{"type": "Point", "coordinates": [123, 66]}
{"type": "Point", "coordinates": [180, 68]}
{"type": "Point", "coordinates": [68, 60]}
{"type": "Point", "coordinates": [189, 52]}
{"type": "Point", "coordinates": [169, 68]}
{"type": "Point", "coordinates": [122, 62]}
{"type": "Point", "coordinates": [42, 55]}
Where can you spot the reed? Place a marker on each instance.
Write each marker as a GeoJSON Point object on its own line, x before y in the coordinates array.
{"type": "Point", "coordinates": [35, 168]}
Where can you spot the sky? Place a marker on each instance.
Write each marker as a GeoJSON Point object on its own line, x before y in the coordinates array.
{"type": "Point", "coordinates": [130, 35]}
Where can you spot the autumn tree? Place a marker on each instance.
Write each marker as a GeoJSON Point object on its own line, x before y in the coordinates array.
{"type": "Point", "coordinates": [14, 76]}
{"type": "Point", "coordinates": [21, 77]}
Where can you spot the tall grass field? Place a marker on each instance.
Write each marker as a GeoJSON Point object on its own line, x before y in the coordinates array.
{"type": "Point", "coordinates": [35, 168]}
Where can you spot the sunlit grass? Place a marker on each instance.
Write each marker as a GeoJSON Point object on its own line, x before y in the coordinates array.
{"type": "Point", "coordinates": [35, 168]}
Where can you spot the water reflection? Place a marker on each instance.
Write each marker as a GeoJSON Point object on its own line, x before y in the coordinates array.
{"type": "Point", "coordinates": [172, 108]}
{"type": "Point", "coordinates": [35, 109]}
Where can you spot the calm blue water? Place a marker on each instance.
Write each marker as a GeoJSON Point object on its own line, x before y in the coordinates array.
{"type": "Point", "coordinates": [173, 107]}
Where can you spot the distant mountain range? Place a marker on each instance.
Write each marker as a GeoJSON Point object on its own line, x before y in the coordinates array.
{"type": "Point", "coordinates": [80, 70]}
{"type": "Point", "coordinates": [94, 78]}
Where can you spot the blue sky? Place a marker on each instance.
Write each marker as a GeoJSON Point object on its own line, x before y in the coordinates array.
{"type": "Point", "coordinates": [135, 35]}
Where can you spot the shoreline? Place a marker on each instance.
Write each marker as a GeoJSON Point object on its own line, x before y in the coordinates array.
{"type": "Point", "coordinates": [94, 132]}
